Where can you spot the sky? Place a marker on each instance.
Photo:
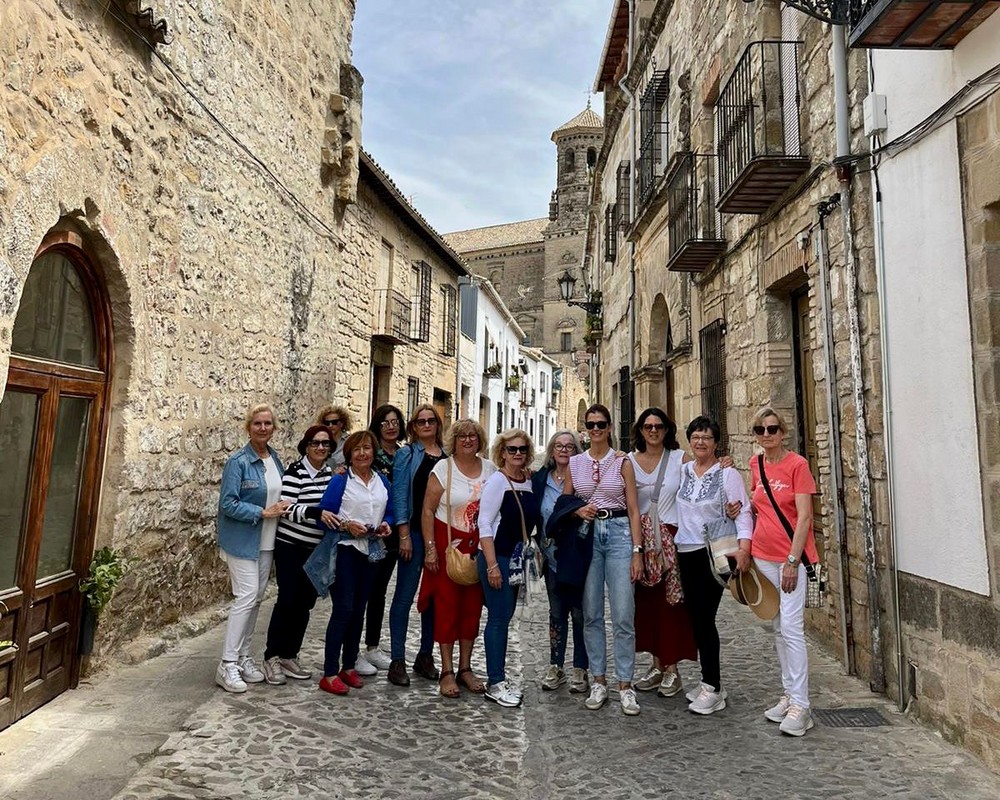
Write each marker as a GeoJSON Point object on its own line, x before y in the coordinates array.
{"type": "Point", "coordinates": [461, 98]}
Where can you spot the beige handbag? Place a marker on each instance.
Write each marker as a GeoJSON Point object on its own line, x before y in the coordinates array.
{"type": "Point", "coordinates": [461, 567]}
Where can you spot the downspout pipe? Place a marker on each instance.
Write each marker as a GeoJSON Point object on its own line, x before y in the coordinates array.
{"type": "Point", "coordinates": [863, 456]}
{"type": "Point", "coordinates": [631, 192]}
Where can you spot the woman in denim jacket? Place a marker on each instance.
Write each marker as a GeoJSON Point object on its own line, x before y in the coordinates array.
{"type": "Point", "coordinates": [411, 470]}
{"type": "Point", "coordinates": [247, 521]}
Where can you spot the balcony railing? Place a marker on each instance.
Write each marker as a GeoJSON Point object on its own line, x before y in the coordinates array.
{"type": "Point", "coordinates": [694, 223]}
{"type": "Point", "coordinates": [916, 24]}
{"type": "Point", "coordinates": [392, 316]}
{"type": "Point", "coordinates": [758, 128]}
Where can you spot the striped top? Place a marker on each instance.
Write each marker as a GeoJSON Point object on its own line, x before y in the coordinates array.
{"type": "Point", "coordinates": [304, 486]}
{"type": "Point", "coordinates": [608, 490]}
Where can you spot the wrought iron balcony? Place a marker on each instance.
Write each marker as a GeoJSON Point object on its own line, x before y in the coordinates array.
{"type": "Point", "coordinates": [758, 129]}
{"type": "Point", "coordinates": [916, 24]}
{"type": "Point", "coordinates": [694, 224]}
{"type": "Point", "coordinates": [392, 317]}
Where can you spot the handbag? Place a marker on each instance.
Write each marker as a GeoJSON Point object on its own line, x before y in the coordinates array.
{"type": "Point", "coordinates": [654, 561]}
{"type": "Point", "coordinates": [816, 573]}
{"type": "Point", "coordinates": [523, 552]}
{"type": "Point", "coordinates": [460, 567]}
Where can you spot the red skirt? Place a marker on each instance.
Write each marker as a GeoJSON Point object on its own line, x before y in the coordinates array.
{"type": "Point", "coordinates": [661, 628]}
{"type": "Point", "coordinates": [457, 609]}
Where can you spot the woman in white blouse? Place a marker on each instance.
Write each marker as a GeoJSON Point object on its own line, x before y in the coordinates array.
{"type": "Point", "coordinates": [360, 499]}
{"type": "Point", "coordinates": [705, 490]}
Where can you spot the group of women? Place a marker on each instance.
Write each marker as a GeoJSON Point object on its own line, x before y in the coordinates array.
{"type": "Point", "coordinates": [650, 534]}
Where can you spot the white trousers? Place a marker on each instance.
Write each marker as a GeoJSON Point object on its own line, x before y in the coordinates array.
{"type": "Point", "coordinates": [790, 633]}
{"type": "Point", "coordinates": [249, 581]}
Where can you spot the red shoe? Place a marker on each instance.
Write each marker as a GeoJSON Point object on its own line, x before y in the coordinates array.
{"type": "Point", "coordinates": [333, 685]}
{"type": "Point", "coordinates": [351, 678]}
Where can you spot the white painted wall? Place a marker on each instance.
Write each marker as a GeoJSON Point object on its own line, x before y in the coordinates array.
{"type": "Point", "coordinates": [939, 509]}
{"type": "Point", "coordinates": [495, 327]}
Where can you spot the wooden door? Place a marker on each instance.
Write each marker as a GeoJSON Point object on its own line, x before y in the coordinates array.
{"type": "Point", "coordinates": [52, 429]}
{"type": "Point", "coordinates": [805, 397]}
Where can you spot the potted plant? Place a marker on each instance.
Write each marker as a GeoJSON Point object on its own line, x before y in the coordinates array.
{"type": "Point", "coordinates": [105, 573]}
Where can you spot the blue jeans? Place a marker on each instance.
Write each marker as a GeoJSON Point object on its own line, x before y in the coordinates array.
{"type": "Point", "coordinates": [561, 607]}
{"type": "Point", "coordinates": [500, 605]}
{"type": "Point", "coordinates": [407, 581]}
{"type": "Point", "coordinates": [611, 565]}
{"type": "Point", "coordinates": [349, 595]}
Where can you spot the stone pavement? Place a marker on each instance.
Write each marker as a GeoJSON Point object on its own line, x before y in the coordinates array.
{"type": "Point", "coordinates": [162, 731]}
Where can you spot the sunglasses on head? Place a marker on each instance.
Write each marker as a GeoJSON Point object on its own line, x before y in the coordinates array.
{"type": "Point", "coordinates": [599, 424]}
{"type": "Point", "coordinates": [514, 449]}
{"type": "Point", "coordinates": [760, 430]}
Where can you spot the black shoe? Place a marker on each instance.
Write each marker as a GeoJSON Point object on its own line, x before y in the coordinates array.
{"type": "Point", "coordinates": [397, 673]}
{"type": "Point", "coordinates": [424, 666]}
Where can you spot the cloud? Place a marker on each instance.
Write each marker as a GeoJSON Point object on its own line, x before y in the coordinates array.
{"type": "Point", "coordinates": [461, 98]}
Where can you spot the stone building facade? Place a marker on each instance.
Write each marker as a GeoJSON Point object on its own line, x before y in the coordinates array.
{"type": "Point", "coordinates": [172, 194]}
{"type": "Point", "coordinates": [743, 261]}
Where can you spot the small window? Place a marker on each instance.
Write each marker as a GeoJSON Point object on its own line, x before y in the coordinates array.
{"type": "Point", "coordinates": [569, 159]}
{"type": "Point", "coordinates": [591, 157]}
{"type": "Point", "coordinates": [449, 320]}
{"type": "Point", "coordinates": [412, 396]}
{"type": "Point", "coordinates": [566, 341]}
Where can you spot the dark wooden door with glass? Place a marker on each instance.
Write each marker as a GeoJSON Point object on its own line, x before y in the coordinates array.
{"type": "Point", "coordinates": [51, 430]}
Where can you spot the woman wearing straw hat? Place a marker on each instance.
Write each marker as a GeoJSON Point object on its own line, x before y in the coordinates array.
{"type": "Point", "coordinates": [779, 558]}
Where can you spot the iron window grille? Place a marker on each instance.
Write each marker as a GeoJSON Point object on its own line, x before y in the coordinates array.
{"type": "Point", "coordinates": [392, 316]}
{"type": "Point", "coordinates": [626, 408]}
{"type": "Point", "coordinates": [449, 315]}
{"type": "Point", "coordinates": [412, 396]}
{"type": "Point", "coordinates": [421, 315]}
{"type": "Point", "coordinates": [610, 233]}
{"type": "Point", "coordinates": [622, 206]}
{"type": "Point", "coordinates": [654, 128]}
{"type": "Point", "coordinates": [712, 341]}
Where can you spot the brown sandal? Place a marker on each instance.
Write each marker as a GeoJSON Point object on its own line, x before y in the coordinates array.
{"type": "Point", "coordinates": [474, 685]}
{"type": "Point", "coordinates": [450, 691]}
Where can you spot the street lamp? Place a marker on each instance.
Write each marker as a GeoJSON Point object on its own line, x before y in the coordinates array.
{"type": "Point", "coordinates": [567, 283]}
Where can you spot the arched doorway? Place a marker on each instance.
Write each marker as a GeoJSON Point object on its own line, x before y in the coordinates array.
{"type": "Point", "coordinates": [52, 420]}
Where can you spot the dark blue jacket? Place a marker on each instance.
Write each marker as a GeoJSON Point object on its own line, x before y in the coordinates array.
{"type": "Point", "coordinates": [574, 541]}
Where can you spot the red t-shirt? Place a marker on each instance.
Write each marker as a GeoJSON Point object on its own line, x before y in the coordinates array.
{"type": "Point", "coordinates": [787, 478]}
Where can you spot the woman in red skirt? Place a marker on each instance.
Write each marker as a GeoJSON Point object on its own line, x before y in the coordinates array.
{"type": "Point", "coordinates": [451, 512]}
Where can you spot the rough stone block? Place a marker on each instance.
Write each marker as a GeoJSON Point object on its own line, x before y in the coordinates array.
{"type": "Point", "coordinates": [918, 602]}
{"type": "Point", "coordinates": [970, 620]}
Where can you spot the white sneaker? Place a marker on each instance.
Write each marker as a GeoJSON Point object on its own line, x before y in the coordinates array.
{"type": "Point", "coordinates": [650, 680]}
{"type": "Point", "coordinates": [377, 658]}
{"type": "Point", "coordinates": [503, 694]}
{"type": "Point", "coordinates": [364, 667]}
{"type": "Point", "coordinates": [629, 703]}
{"type": "Point", "coordinates": [292, 669]}
{"type": "Point", "coordinates": [797, 721]}
{"type": "Point", "coordinates": [598, 694]}
{"type": "Point", "coordinates": [273, 673]}
{"type": "Point", "coordinates": [579, 684]}
{"type": "Point", "coordinates": [555, 677]}
{"type": "Point", "coordinates": [249, 670]}
{"type": "Point", "coordinates": [670, 684]}
{"type": "Point", "coordinates": [708, 700]}
{"type": "Point", "coordinates": [228, 677]}
{"type": "Point", "coordinates": [776, 713]}
{"type": "Point", "coordinates": [693, 693]}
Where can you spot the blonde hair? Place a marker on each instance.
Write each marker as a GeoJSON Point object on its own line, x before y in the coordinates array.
{"type": "Point", "coordinates": [411, 426]}
{"type": "Point", "coordinates": [497, 453]}
{"type": "Point", "coordinates": [338, 411]}
{"type": "Point", "coordinates": [260, 408]}
{"type": "Point", "coordinates": [464, 426]}
{"type": "Point", "coordinates": [764, 413]}
{"type": "Point", "coordinates": [550, 448]}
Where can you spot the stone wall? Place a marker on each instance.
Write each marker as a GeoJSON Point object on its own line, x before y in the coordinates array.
{"type": "Point", "coordinates": [227, 286]}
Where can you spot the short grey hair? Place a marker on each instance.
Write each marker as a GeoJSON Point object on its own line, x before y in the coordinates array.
{"type": "Point", "coordinates": [551, 446]}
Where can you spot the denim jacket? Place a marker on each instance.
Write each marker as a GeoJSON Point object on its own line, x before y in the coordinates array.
{"type": "Point", "coordinates": [404, 468]}
{"type": "Point", "coordinates": [242, 498]}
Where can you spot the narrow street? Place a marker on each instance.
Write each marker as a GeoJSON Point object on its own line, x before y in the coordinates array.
{"type": "Point", "coordinates": [163, 730]}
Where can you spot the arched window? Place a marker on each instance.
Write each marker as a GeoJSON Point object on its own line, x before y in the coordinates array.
{"type": "Point", "coordinates": [591, 157]}
{"type": "Point", "coordinates": [570, 160]}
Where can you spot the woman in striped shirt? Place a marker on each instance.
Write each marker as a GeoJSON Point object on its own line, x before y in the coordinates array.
{"type": "Point", "coordinates": [299, 532]}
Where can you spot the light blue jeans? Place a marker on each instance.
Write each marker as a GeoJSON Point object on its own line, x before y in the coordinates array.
{"type": "Point", "coordinates": [611, 565]}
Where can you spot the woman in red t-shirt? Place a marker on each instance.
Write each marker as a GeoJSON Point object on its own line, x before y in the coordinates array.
{"type": "Point", "coordinates": [779, 558]}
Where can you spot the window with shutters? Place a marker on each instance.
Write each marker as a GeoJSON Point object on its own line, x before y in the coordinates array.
{"type": "Point", "coordinates": [712, 341]}
{"type": "Point", "coordinates": [468, 295]}
{"type": "Point", "coordinates": [449, 320]}
{"type": "Point", "coordinates": [654, 132]}
{"type": "Point", "coordinates": [420, 302]}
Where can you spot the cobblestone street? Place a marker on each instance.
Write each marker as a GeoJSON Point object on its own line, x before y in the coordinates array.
{"type": "Point", "coordinates": [386, 742]}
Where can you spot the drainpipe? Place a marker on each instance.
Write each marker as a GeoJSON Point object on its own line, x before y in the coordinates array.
{"type": "Point", "coordinates": [833, 425]}
{"type": "Point", "coordinates": [854, 335]}
{"type": "Point", "coordinates": [631, 191]}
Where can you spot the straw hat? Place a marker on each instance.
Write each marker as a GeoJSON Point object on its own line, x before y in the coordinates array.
{"type": "Point", "coordinates": [752, 589]}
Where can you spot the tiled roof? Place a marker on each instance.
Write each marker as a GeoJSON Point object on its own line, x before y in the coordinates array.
{"type": "Point", "coordinates": [529, 231]}
{"type": "Point", "coordinates": [588, 118]}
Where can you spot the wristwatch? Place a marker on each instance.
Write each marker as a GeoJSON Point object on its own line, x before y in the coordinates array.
{"type": "Point", "coordinates": [638, 548]}
{"type": "Point", "coordinates": [792, 560]}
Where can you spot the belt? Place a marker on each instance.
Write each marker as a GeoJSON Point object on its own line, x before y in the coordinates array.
{"type": "Point", "coordinates": [608, 513]}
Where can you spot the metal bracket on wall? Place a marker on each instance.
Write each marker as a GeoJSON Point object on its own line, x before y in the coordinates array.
{"type": "Point", "coordinates": [834, 12]}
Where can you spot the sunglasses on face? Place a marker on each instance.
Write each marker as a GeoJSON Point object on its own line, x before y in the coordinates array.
{"type": "Point", "coordinates": [319, 443]}
{"type": "Point", "coordinates": [599, 424]}
{"type": "Point", "coordinates": [760, 430]}
{"type": "Point", "coordinates": [653, 427]}
{"type": "Point", "coordinates": [333, 421]}
{"type": "Point", "coordinates": [425, 421]}
{"type": "Point", "coordinates": [513, 449]}
{"type": "Point", "coordinates": [389, 423]}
